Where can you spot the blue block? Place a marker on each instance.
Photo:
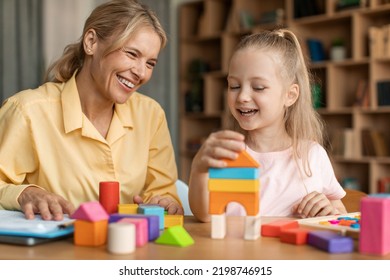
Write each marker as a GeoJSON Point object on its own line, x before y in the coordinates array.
{"type": "Point", "coordinates": [153, 223]}
{"type": "Point", "coordinates": [244, 173]}
{"type": "Point", "coordinates": [330, 241]}
{"type": "Point", "coordinates": [380, 195]}
{"type": "Point", "coordinates": [152, 209]}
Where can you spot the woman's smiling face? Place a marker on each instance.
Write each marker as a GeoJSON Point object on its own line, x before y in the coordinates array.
{"type": "Point", "coordinates": [120, 73]}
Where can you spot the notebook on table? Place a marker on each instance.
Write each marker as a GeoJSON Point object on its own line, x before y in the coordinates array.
{"type": "Point", "coordinates": [16, 229]}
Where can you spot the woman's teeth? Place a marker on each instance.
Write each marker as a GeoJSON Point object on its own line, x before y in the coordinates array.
{"type": "Point", "coordinates": [126, 82]}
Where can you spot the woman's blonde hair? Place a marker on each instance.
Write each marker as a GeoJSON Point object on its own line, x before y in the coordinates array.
{"type": "Point", "coordinates": [303, 124]}
{"type": "Point", "coordinates": [120, 18]}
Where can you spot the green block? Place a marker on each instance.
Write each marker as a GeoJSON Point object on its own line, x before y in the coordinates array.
{"type": "Point", "coordinates": [175, 236]}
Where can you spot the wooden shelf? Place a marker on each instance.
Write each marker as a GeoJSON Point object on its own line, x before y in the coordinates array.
{"type": "Point", "coordinates": [228, 20]}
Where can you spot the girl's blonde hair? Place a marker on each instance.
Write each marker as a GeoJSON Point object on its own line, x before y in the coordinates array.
{"type": "Point", "coordinates": [303, 124]}
{"type": "Point", "coordinates": [118, 18]}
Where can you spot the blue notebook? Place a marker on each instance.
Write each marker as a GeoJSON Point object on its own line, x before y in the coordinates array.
{"type": "Point", "coordinates": [13, 223]}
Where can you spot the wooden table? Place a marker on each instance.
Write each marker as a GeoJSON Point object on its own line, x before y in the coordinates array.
{"type": "Point", "coordinates": [233, 247]}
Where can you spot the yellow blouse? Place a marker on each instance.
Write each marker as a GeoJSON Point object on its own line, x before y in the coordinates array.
{"type": "Point", "coordinates": [47, 141]}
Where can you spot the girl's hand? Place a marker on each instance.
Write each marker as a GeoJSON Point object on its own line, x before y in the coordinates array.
{"type": "Point", "coordinates": [169, 204]}
{"type": "Point", "coordinates": [34, 200]}
{"type": "Point", "coordinates": [317, 204]}
{"type": "Point", "coordinates": [219, 145]}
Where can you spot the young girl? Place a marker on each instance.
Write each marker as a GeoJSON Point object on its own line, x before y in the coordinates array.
{"type": "Point", "coordinates": [269, 97]}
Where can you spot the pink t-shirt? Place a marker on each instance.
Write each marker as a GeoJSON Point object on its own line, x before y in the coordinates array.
{"type": "Point", "coordinates": [282, 185]}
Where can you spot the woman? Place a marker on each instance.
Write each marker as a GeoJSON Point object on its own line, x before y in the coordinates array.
{"type": "Point", "coordinates": [88, 124]}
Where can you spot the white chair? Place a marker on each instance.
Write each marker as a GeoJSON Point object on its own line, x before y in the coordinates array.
{"type": "Point", "coordinates": [182, 191]}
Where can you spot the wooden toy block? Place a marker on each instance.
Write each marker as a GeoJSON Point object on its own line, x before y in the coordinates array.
{"type": "Point", "coordinates": [90, 233]}
{"type": "Point", "coordinates": [274, 229]}
{"type": "Point", "coordinates": [218, 226]}
{"type": "Point", "coordinates": [375, 225]}
{"type": "Point", "coordinates": [252, 227]}
{"type": "Point", "coordinates": [297, 236]}
{"type": "Point", "coordinates": [330, 241]}
{"type": "Point", "coordinates": [141, 230]}
{"type": "Point", "coordinates": [229, 185]}
{"type": "Point", "coordinates": [127, 208]}
{"type": "Point", "coordinates": [121, 238]}
{"type": "Point", "coordinates": [248, 173]}
{"type": "Point", "coordinates": [175, 236]}
{"type": "Point", "coordinates": [151, 209]}
{"type": "Point", "coordinates": [153, 223]}
{"type": "Point", "coordinates": [109, 196]}
{"type": "Point", "coordinates": [219, 200]}
{"type": "Point", "coordinates": [90, 211]}
{"type": "Point", "coordinates": [243, 160]}
{"type": "Point", "coordinates": [173, 220]}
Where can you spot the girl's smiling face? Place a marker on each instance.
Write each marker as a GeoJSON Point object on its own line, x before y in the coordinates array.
{"type": "Point", "coordinates": [120, 73]}
{"type": "Point", "coordinates": [257, 94]}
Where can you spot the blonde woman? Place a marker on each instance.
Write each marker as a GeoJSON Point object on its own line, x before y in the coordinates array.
{"type": "Point", "coordinates": [89, 124]}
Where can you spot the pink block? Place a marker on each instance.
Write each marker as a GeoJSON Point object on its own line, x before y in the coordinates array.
{"type": "Point", "coordinates": [141, 230]}
{"type": "Point", "coordinates": [91, 211]}
{"type": "Point", "coordinates": [375, 226]}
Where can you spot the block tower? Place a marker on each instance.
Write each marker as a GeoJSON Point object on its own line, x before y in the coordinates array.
{"type": "Point", "coordinates": [238, 182]}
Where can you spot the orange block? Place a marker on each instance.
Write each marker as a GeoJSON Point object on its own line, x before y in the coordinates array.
{"type": "Point", "coordinates": [274, 229]}
{"type": "Point", "coordinates": [90, 233]}
{"type": "Point", "coordinates": [219, 200]}
{"type": "Point", "coordinates": [297, 236]}
{"type": "Point", "coordinates": [244, 160]}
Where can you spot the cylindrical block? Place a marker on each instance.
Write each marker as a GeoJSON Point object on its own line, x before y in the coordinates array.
{"type": "Point", "coordinates": [121, 238]}
{"type": "Point", "coordinates": [109, 196]}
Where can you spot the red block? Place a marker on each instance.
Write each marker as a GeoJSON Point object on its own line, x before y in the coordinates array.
{"type": "Point", "coordinates": [297, 236]}
{"type": "Point", "coordinates": [273, 229]}
{"type": "Point", "coordinates": [109, 196]}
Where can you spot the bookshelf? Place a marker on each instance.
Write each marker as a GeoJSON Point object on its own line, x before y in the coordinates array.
{"type": "Point", "coordinates": [348, 87]}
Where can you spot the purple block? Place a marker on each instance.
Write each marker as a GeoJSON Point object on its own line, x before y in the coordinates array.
{"type": "Point", "coordinates": [153, 223]}
{"type": "Point", "coordinates": [330, 241]}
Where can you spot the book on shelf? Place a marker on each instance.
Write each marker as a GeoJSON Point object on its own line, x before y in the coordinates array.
{"type": "Point", "coordinates": [374, 143]}
{"type": "Point", "coordinates": [384, 185]}
{"type": "Point", "coordinates": [272, 17]}
{"type": "Point", "coordinates": [316, 50]}
{"type": "Point", "coordinates": [383, 93]}
{"type": "Point", "coordinates": [362, 94]}
{"type": "Point", "coordinates": [343, 142]}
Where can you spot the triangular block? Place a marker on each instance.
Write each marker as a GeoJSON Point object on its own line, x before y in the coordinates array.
{"type": "Point", "coordinates": [244, 160]}
{"type": "Point", "coordinates": [175, 236]}
{"type": "Point", "coordinates": [91, 211]}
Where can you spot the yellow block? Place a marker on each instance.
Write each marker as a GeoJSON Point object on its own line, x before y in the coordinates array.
{"type": "Point", "coordinates": [127, 208]}
{"type": "Point", "coordinates": [173, 220]}
{"type": "Point", "coordinates": [231, 185]}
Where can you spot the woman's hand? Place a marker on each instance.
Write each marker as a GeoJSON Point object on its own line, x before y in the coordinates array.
{"type": "Point", "coordinates": [317, 204]}
{"type": "Point", "coordinates": [50, 206]}
{"type": "Point", "coordinates": [169, 204]}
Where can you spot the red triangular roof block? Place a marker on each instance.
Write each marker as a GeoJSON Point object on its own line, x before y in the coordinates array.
{"type": "Point", "coordinates": [244, 160]}
{"type": "Point", "coordinates": [91, 211]}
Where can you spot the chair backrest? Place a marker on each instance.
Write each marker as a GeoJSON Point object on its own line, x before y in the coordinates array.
{"type": "Point", "coordinates": [182, 191]}
{"type": "Point", "coordinates": [352, 200]}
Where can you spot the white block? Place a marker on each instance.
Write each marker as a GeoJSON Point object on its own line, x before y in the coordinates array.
{"type": "Point", "coordinates": [252, 227]}
{"type": "Point", "coordinates": [121, 238]}
{"type": "Point", "coordinates": [218, 226]}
